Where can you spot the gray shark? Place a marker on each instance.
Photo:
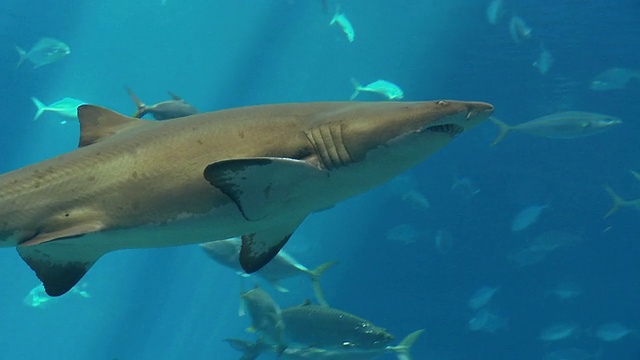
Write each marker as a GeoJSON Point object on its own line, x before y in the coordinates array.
{"type": "Point", "coordinates": [254, 172]}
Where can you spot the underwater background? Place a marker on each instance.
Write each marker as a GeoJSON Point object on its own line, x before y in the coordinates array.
{"type": "Point", "coordinates": [403, 264]}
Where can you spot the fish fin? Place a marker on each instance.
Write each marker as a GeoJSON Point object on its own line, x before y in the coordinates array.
{"type": "Point", "coordinates": [23, 56]}
{"type": "Point", "coordinates": [41, 107]}
{"type": "Point", "coordinates": [403, 349]}
{"type": "Point", "coordinates": [59, 264]}
{"type": "Point", "coordinates": [618, 202]}
{"type": "Point", "coordinates": [141, 108]}
{"type": "Point", "coordinates": [504, 130]}
{"type": "Point", "coordinates": [635, 174]}
{"type": "Point", "coordinates": [315, 280]}
{"type": "Point", "coordinates": [280, 288]}
{"type": "Point", "coordinates": [357, 87]}
{"type": "Point", "coordinates": [98, 123]}
{"type": "Point", "coordinates": [174, 96]}
{"type": "Point", "coordinates": [262, 186]}
{"type": "Point", "coordinates": [259, 248]}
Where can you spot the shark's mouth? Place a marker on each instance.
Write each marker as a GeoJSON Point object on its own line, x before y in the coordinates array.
{"type": "Point", "coordinates": [452, 130]}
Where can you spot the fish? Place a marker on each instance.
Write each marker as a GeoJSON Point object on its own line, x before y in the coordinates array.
{"type": "Point", "coordinates": [613, 79]}
{"type": "Point", "coordinates": [266, 317]}
{"type": "Point", "coordinates": [171, 109]}
{"type": "Point", "coordinates": [566, 290]}
{"type": "Point", "coordinates": [444, 241]}
{"type": "Point", "coordinates": [487, 321]}
{"type": "Point", "coordinates": [329, 328]}
{"type": "Point", "coordinates": [344, 23]}
{"type": "Point", "coordinates": [282, 266]}
{"type": "Point", "coordinates": [482, 297]}
{"type": "Point", "coordinates": [613, 331]}
{"type": "Point", "coordinates": [495, 11]}
{"type": "Point", "coordinates": [45, 51]}
{"type": "Point", "coordinates": [519, 30]}
{"type": "Point", "coordinates": [38, 298]}
{"type": "Point", "coordinates": [67, 107]}
{"type": "Point", "coordinates": [252, 350]}
{"type": "Point", "coordinates": [255, 172]}
{"type": "Point", "coordinates": [562, 125]}
{"type": "Point", "coordinates": [527, 217]}
{"type": "Point", "coordinates": [558, 332]}
{"type": "Point", "coordinates": [544, 61]}
{"type": "Point", "coordinates": [465, 187]}
{"type": "Point", "coordinates": [381, 87]}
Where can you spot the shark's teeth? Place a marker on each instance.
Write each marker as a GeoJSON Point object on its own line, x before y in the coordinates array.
{"type": "Point", "coordinates": [452, 130]}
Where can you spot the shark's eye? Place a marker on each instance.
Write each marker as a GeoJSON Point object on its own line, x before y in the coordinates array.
{"type": "Point", "coordinates": [442, 103]}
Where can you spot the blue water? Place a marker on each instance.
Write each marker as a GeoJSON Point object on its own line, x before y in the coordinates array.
{"type": "Point", "coordinates": [175, 303]}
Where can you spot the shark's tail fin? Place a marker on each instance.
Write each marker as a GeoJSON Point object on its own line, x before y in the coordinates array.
{"type": "Point", "coordinates": [504, 130]}
{"type": "Point", "coordinates": [403, 350]}
{"type": "Point", "coordinates": [23, 56]}
{"type": "Point", "coordinates": [357, 88]}
{"type": "Point", "coordinates": [250, 350]}
{"type": "Point", "coordinates": [41, 107]}
{"type": "Point", "coordinates": [618, 202]}
{"type": "Point", "coordinates": [315, 279]}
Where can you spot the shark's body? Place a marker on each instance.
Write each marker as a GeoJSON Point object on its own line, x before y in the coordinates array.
{"type": "Point", "coordinates": [254, 172]}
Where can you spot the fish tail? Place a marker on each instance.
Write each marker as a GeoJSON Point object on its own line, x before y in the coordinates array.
{"type": "Point", "coordinates": [357, 87]}
{"type": "Point", "coordinates": [23, 56]}
{"type": "Point", "coordinates": [618, 202]}
{"type": "Point", "coordinates": [635, 174]}
{"type": "Point", "coordinates": [141, 107]}
{"type": "Point", "coordinates": [504, 130]}
{"type": "Point", "coordinates": [315, 279]}
{"type": "Point", "coordinates": [41, 107]}
{"type": "Point", "coordinates": [403, 350]}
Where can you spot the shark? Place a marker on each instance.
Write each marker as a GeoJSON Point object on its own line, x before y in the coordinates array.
{"type": "Point", "coordinates": [255, 172]}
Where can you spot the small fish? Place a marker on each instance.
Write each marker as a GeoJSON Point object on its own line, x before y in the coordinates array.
{"type": "Point", "coordinates": [45, 51]}
{"type": "Point", "coordinates": [613, 79]}
{"type": "Point", "coordinates": [495, 11]}
{"type": "Point", "coordinates": [344, 23]}
{"type": "Point", "coordinates": [382, 87]}
{"type": "Point", "coordinates": [544, 61]}
{"type": "Point", "coordinates": [519, 30]}
{"type": "Point", "coordinates": [613, 331]}
{"type": "Point", "coordinates": [487, 321]}
{"type": "Point", "coordinates": [38, 298]}
{"type": "Point", "coordinates": [558, 332]}
{"type": "Point", "coordinates": [482, 297]}
{"type": "Point", "coordinates": [527, 217]}
{"type": "Point", "coordinates": [165, 110]}
{"type": "Point", "coordinates": [283, 265]}
{"type": "Point", "coordinates": [67, 107]}
{"type": "Point", "coordinates": [562, 125]}
{"type": "Point", "coordinates": [566, 290]}
{"type": "Point", "coordinates": [443, 241]}
{"type": "Point", "coordinates": [266, 317]}
{"type": "Point", "coordinates": [416, 200]}
{"type": "Point", "coordinates": [253, 350]}
{"type": "Point", "coordinates": [465, 187]}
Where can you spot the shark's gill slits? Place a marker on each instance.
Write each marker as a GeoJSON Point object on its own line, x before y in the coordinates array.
{"type": "Point", "coordinates": [328, 144]}
{"type": "Point", "coordinates": [452, 130]}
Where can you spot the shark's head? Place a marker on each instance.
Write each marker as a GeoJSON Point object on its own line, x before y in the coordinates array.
{"type": "Point", "coordinates": [391, 137]}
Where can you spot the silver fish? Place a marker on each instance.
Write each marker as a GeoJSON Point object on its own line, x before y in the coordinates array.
{"type": "Point", "coordinates": [381, 87]}
{"type": "Point", "coordinates": [170, 109]}
{"type": "Point", "coordinates": [495, 11]}
{"type": "Point", "coordinates": [226, 252]}
{"type": "Point", "coordinates": [613, 331]}
{"type": "Point", "coordinates": [67, 107]}
{"type": "Point", "coordinates": [562, 125]}
{"type": "Point", "coordinates": [252, 350]}
{"type": "Point", "coordinates": [544, 61]}
{"type": "Point", "coordinates": [45, 51]}
{"type": "Point", "coordinates": [519, 30]}
{"type": "Point", "coordinates": [266, 317]}
{"type": "Point", "coordinates": [613, 79]}
{"type": "Point", "coordinates": [559, 332]}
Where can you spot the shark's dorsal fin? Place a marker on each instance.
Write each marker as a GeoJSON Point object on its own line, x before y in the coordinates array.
{"type": "Point", "coordinates": [174, 96]}
{"type": "Point", "coordinates": [98, 123]}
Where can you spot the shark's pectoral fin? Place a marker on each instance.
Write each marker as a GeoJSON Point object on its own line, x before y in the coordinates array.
{"type": "Point", "coordinates": [259, 248]}
{"type": "Point", "coordinates": [263, 186]}
{"type": "Point", "coordinates": [59, 264]}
